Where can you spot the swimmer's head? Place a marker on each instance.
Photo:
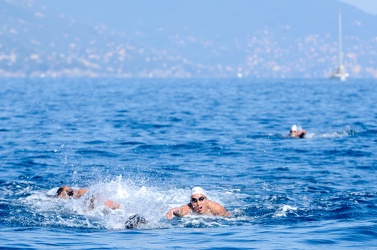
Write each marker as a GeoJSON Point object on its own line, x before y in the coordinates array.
{"type": "Point", "coordinates": [64, 192]}
{"type": "Point", "coordinates": [294, 128]}
{"type": "Point", "coordinates": [198, 201]}
{"type": "Point", "coordinates": [197, 190]}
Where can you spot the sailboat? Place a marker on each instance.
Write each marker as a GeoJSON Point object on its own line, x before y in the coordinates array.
{"type": "Point", "coordinates": [340, 72]}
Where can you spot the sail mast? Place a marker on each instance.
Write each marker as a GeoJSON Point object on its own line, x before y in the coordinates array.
{"type": "Point", "coordinates": [340, 38]}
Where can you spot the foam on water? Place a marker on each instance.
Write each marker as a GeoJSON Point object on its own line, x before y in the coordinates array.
{"type": "Point", "coordinates": [153, 202]}
{"type": "Point", "coordinates": [150, 202]}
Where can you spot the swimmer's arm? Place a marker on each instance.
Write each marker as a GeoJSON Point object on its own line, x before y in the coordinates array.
{"type": "Point", "coordinates": [112, 204]}
{"type": "Point", "coordinates": [219, 210]}
{"type": "Point", "coordinates": [81, 192]}
{"type": "Point", "coordinates": [302, 133]}
{"type": "Point", "coordinates": [108, 203]}
{"type": "Point", "coordinates": [178, 211]}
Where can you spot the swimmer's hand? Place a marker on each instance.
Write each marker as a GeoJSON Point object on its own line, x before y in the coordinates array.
{"type": "Point", "coordinates": [178, 211]}
{"type": "Point", "coordinates": [170, 214]}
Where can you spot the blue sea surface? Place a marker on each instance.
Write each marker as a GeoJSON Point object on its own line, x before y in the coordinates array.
{"type": "Point", "coordinates": [145, 143]}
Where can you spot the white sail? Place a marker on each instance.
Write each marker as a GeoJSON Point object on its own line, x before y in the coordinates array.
{"type": "Point", "coordinates": [340, 72]}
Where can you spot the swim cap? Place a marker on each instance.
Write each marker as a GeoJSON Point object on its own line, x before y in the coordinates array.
{"type": "Point", "coordinates": [294, 128]}
{"type": "Point", "coordinates": [198, 190]}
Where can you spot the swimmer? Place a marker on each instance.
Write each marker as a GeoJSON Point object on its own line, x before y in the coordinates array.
{"type": "Point", "coordinates": [199, 204]}
{"type": "Point", "coordinates": [133, 221]}
{"type": "Point", "coordinates": [296, 132]}
{"type": "Point", "coordinates": [65, 192]}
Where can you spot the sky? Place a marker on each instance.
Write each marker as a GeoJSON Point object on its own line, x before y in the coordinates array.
{"type": "Point", "coordinates": [369, 6]}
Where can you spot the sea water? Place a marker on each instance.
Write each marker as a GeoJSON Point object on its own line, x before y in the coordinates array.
{"type": "Point", "coordinates": [145, 143]}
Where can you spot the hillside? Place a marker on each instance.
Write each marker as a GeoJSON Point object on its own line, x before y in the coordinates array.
{"type": "Point", "coordinates": [167, 38]}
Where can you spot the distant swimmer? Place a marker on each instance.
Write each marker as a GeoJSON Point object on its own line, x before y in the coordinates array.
{"type": "Point", "coordinates": [199, 204]}
{"type": "Point", "coordinates": [65, 192]}
{"type": "Point", "coordinates": [296, 132]}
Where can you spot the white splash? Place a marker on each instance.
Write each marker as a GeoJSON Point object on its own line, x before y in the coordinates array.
{"type": "Point", "coordinates": [282, 212]}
